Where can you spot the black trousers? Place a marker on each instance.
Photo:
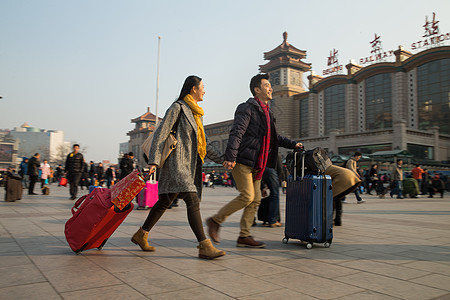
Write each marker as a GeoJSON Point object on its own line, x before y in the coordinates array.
{"type": "Point", "coordinates": [74, 181]}
{"type": "Point", "coordinates": [193, 212]}
{"type": "Point", "coordinates": [33, 180]}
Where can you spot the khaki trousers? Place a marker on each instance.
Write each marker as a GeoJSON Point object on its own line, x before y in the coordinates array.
{"type": "Point", "coordinates": [248, 199]}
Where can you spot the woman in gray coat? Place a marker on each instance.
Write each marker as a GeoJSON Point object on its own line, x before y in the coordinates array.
{"type": "Point", "coordinates": [181, 174]}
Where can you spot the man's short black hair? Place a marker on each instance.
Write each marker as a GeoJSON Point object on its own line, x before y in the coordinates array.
{"type": "Point", "coordinates": [130, 154]}
{"type": "Point", "coordinates": [256, 81]}
{"type": "Point", "coordinates": [74, 145]}
{"type": "Point", "coordinates": [357, 154]}
{"type": "Point", "coordinates": [399, 160]}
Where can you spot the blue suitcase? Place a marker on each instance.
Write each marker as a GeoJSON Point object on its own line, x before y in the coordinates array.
{"type": "Point", "coordinates": [92, 187]}
{"type": "Point", "coordinates": [309, 210]}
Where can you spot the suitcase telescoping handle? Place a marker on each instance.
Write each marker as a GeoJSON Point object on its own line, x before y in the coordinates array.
{"type": "Point", "coordinates": [296, 152]}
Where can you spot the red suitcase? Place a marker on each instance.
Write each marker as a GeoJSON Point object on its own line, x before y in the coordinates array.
{"type": "Point", "coordinates": [94, 220]}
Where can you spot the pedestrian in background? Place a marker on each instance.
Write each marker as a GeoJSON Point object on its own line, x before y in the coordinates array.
{"type": "Point", "coordinates": [181, 174]}
{"type": "Point", "coordinates": [33, 172]}
{"type": "Point", "coordinates": [74, 168]}
{"type": "Point", "coordinates": [252, 146]}
{"type": "Point", "coordinates": [110, 175]}
{"type": "Point", "coordinates": [352, 164]}
{"type": "Point", "coordinates": [397, 179]}
{"type": "Point", "coordinates": [436, 185]}
{"type": "Point", "coordinates": [100, 174]}
{"type": "Point", "coordinates": [126, 165]}
{"type": "Point", "coordinates": [272, 178]}
{"type": "Point", "coordinates": [417, 173]}
{"type": "Point", "coordinates": [23, 171]}
{"type": "Point", "coordinates": [45, 173]}
{"type": "Point", "coordinates": [59, 174]}
{"type": "Point", "coordinates": [92, 172]}
{"type": "Point", "coordinates": [373, 180]}
{"type": "Point", "coordinates": [85, 181]}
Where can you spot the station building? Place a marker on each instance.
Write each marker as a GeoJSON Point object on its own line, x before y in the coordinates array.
{"type": "Point", "coordinates": [400, 105]}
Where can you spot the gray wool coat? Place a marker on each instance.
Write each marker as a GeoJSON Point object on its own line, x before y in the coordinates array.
{"type": "Point", "coordinates": [182, 171]}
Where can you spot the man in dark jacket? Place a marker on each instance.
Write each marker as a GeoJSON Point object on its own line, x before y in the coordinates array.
{"type": "Point", "coordinates": [126, 165]}
{"type": "Point", "coordinates": [74, 169]}
{"type": "Point", "coordinates": [252, 146]}
{"type": "Point", "coordinates": [23, 171]}
{"type": "Point", "coordinates": [33, 172]}
{"type": "Point", "coordinates": [92, 172]}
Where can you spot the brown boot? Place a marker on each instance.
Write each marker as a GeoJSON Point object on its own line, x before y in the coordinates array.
{"type": "Point", "coordinates": [213, 230]}
{"type": "Point", "coordinates": [141, 238]}
{"type": "Point", "coordinates": [206, 250]}
{"type": "Point", "coordinates": [249, 242]}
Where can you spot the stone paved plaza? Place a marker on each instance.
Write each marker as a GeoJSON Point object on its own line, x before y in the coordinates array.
{"type": "Point", "coordinates": [386, 249]}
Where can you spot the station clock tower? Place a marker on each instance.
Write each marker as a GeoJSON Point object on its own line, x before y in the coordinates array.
{"type": "Point", "coordinates": [286, 68]}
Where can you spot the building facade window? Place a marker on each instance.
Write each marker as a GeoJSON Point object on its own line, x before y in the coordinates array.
{"type": "Point", "coordinates": [304, 117]}
{"type": "Point", "coordinates": [379, 101]}
{"type": "Point", "coordinates": [334, 105]}
{"type": "Point", "coordinates": [433, 94]}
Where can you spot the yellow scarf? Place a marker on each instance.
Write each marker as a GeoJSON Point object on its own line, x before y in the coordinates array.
{"type": "Point", "coordinates": [198, 113]}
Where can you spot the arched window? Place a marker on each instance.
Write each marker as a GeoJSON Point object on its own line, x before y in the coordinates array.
{"type": "Point", "coordinates": [379, 101]}
{"type": "Point", "coordinates": [334, 106]}
{"type": "Point", "coordinates": [433, 94]}
{"type": "Point", "coordinates": [304, 117]}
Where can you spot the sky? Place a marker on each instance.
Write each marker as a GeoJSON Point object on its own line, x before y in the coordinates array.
{"type": "Point", "coordinates": [89, 67]}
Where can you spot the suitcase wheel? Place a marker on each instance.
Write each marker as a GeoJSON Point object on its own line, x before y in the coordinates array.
{"type": "Point", "coordinates": [103, 244]}
{"type": "Point", "coordinates": [285, 240]}
{"type": "Point", "coordinates": [327, 245]}
{"type": "Point", "coordinates": [309, 245]}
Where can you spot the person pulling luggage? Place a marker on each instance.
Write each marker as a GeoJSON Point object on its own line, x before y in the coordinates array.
{"type": "Point", "coordinates": [181, 174]}
{"type": "Point", "coordinates": [252, 146]}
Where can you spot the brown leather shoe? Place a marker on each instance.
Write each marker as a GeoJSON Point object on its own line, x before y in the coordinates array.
{"type": "Point", "coordinates": [249, 242]}
{"type": "Point", "coordinates": [213, 230]}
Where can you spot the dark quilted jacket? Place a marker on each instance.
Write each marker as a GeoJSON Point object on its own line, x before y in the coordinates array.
{"type": "Point", "coordinates": [246, 136]}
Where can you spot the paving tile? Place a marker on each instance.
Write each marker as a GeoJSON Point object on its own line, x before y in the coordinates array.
{"type": "Point", "coordinates": [385, 268]}
{"type": "Point", "coordinates": [368, 295]}
{"type": "Point", "coordinates": [74, 277]}
{"type": "Point", "coordinates": [190, 266]}
{"type": "Point", "coordinates": [117, 260]}
{"type": "Point", "coordinates": [10, 247]}
{"type": "Point", "coordinates": [391, 286]}
{"type": "Point", "coordinates": [13, 259]}
{"type": "Point", "coordinates": [201, 292]}
{"type": "Point", "coordinates": [432, 267]}
{"type": "Point", "coordinates": [435, 280]}
{"type": "Point", "coordinates": [251, 266]}
{"type": "Point", "coordinates": [317, 267]}
{"type": "Point", "coordinates": [282, 293]}
{"type": "Point", "coordinates": [41, 290]}
{"type": "Point", "coordinates": [233, 284]}
{"type": "Point", "coordinates": [119, 292]}
{"type": "Point", "coordinates": [313, 285]}
{"type": "Point", "coordinates": [155, 280]}
{"type": "Point", "coordinates": [19, 275]}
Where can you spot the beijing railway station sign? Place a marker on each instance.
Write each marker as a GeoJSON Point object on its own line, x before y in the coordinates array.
{"type": "Point", "coordinates": [431, 38]}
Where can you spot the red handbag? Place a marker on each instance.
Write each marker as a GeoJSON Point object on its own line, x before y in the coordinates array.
{"type": "Point", "coordinates": [63, 181]}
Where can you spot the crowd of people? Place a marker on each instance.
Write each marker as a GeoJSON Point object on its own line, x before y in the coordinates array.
{"type": "Point", "coordinates": [76, 171]}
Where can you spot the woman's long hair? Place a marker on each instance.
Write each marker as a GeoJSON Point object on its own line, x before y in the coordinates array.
{"type": "Point", "coordinates": [190, 82]}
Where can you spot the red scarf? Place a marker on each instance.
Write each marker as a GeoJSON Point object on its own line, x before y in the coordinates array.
{"type": "Point", "coordinates": [264, 151]}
